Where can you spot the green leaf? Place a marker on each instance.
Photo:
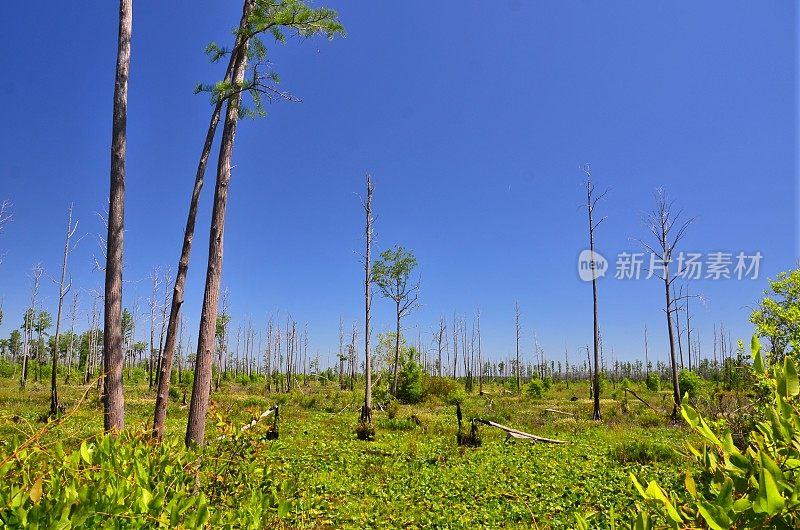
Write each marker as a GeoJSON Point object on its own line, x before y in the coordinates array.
{"type": "Point", "coordinates": [36, 491]}
{"type": "Point", "coordinates": [655, 492]}
{"type": "Point", "coordinates": [792, 383]}
{"type": "Point", "coordinates": [768, 500]}
{"type": "Point", "coordinates": [144, 499]}
{"type": "Point", "coordinates": [755, 351]}
{"type": "Point", "coordinates": [283, 508]}
{"type": "Point", "coordinates": [691, 487]}
{"type": "Point", "coordinates": [86, 454]}
{"type": "Point", "coordinates": [714, 516]}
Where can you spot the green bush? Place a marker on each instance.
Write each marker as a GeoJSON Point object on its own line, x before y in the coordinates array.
{"type": "Point", "coordinates": [641, 452]}
{"type": "Point", "coordinates": [456, 396]}
{"type": "Point", "coordinates": [392, 409]}
{"type": "Point", "coordinates": [381, 395]}
{"type": "Point", "coordinates": [6, 369]}
{"type": "Point", "coordinates": [440, 387]}
{"type": "Point", "coordinates": [409, 382]}
{"type": "Point", "coordinates": [755, 488]}
{"type": "Point", "coordinates": [536, 388]}
{"type": "Point", "coordinates": [131, 482]}
{"type": "Point", "coordinates": [690, 383]}
{"type": "Point", "coordinates": [653, 382]}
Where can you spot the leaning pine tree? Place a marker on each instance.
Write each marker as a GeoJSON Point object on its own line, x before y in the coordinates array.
{"type": "Point", "coordinates": [249, 74]}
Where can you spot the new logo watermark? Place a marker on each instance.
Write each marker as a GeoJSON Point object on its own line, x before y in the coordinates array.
{"type": "Point", "coordinates": [687, 265]}
{"type": "Point", "coordinates": [591, 265]}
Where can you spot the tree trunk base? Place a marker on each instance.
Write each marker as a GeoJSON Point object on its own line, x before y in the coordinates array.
{"type": "Point", "coordinates": [365, 430]}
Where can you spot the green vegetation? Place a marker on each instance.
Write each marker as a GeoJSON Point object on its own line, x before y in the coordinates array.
{"type": "Point", "coordinates": [320, 475]}
{"type": "Point", "coordinates": [754, 487]}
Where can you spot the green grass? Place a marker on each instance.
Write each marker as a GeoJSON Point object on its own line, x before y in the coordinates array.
{"type": "Point", "coordinates": [415, 476]}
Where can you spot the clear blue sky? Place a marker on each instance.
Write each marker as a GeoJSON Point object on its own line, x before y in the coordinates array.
{"type": "Point", "coordinates": [473, 118]}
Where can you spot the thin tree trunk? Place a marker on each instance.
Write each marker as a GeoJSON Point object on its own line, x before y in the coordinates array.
{"type": "Point", "coordinates": [366, 411]}
{"type": "Point", "coordinates": [62, 292]}
{"type": "Point", "coordinates": [396, 350]}
{"type": "Point", "coordinates": [519, 330]}
{"type": "Point", "coordinates": [676, 391]}
{"type": "Point", "coordinates": [113, 396]}
{"type": "Point", "coordinates": [201, 388]}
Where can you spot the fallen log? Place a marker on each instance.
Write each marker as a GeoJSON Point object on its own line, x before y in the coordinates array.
{"type": "Point", "coordinates": [522, 435]}
{"type": "Point", "coordinates": [554, 411]}
{"type": "Point", "coordinates": [643, 401]}
{"type": "Point", "coordinates": [254, 422]}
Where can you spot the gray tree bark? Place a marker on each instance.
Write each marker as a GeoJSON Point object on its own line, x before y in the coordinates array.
{"type": "Point", "coordinates": [201, 388]}
{"type": "Point", "coordinates": [113, 355]}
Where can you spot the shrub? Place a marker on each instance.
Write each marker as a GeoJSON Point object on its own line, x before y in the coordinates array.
{"type": "Point", "coordinates": [511, 384]}
{"type": "Point", "coordinates": [641, 452]}
{"type": "Point", "coordinates": [440, 387]}
{"type": "Point", "coordinates": [380, 394]}
{"type": "Point", "coordinates": [755, 488]}
{"type": "Point", "coordinates": [392, 409]}
{"type": "Point", "coordinates": [6, 368]}
{"type": "Point", "coordinates": [257, 402]}
{"type": "Point", "coordinates": [653, 382]}
{"type": "Point", "coordinates": [409, 382]}
{"type": "Point", "coordinates": [690, 383]}
{"type": "Point", "coordinates": [536, 388]}
{"type": "Point", "coordinates": [130, 482]}
{"type": "Point", "coordinates": [456, 396]}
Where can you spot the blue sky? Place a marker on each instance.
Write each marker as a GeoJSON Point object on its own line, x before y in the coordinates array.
{"type": "Point", "coordinates": [473, 119]}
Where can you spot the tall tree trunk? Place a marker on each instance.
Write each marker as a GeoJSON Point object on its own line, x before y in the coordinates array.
{"type": "Point", "coordinates": [62, 292]}
{"type": "Point", "coordinates": [676, 302]}
{"type": "Point", "coordinates": [201, 388]}
{"type": "Point", "coordinates": [519, 330]}
{"type": "Point", "coordinates": [396, 350]}
{"type": "Point", "coordinates": [186, 250]}
{"type": "Point", "coordinates": [596, 333]}
{"type": "Point", "coordinates": [676, 391]}
{"type": "Point", "coordinates": [366, 410]}
{"type": "Point", "coordinates": [113, 355]}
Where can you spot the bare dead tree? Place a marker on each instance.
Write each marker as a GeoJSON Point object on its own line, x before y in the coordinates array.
{"type": "Point", "coordinates": [29, 320]}
{"type": "Point", "coordinates": [164, 306]}
{"type": "Point", "coordinates": [440, 336]}
{"type": "Point", "coordinates": [679, 334]}
{"type": "Point", "coordinates": [352, 352]}
{"type": "Point", "coordinates": [155, 279]}
{"type": "Point", "coordinates": [518, 328]}
{"type": "Point", "coordinates": [73, 315]}
{"type": "Point", "coordinates": [366, 430]}
{"type": "Point", "coordinates": [341, 356]}
{"type": "Point", "coordinates": [480, 358]}
{"type": "Point", "coordinates": [688, 329]}
{"type": "Point", "coordinates": [668, 230]}
{"type": "Point", "coordinates": [5, 218]}
{"type": "Point", "coordinates": [63, 288]}
{"type": "Point", "coordinates": [591, 203]}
